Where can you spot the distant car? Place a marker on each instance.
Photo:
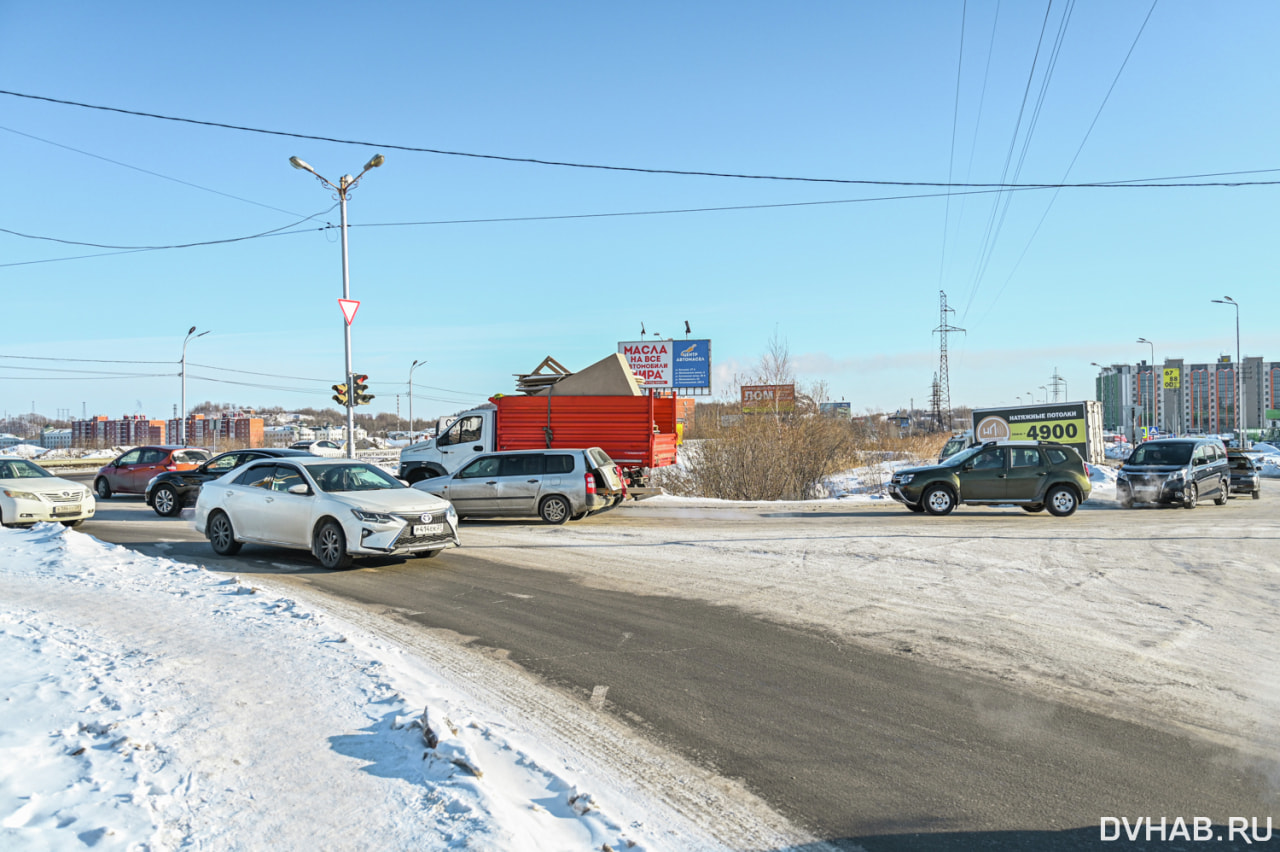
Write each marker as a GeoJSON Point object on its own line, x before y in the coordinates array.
{"type": "Point", "coordinates": [131, 471]}
{"type": "Point", "coordinates": [1035, 475]}
{"type": "Point", "coordinates": [1175, 470]}
{"type": "Point", "coordinates": [171, 491]}
{"type": "Point", "coordinates": [555, 485]}
{"type": "Point", "coordinates": [319, 448]}
{"type": "Point", "coordinates": [29, 494]}
{"type": "Point", "coordinates": [336, 508]}
{"type": "Point", "coordinates": [1245, 478]}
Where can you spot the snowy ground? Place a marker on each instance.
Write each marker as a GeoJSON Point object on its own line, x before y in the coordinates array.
{"type": "Point", "coordinates": [152, 705]}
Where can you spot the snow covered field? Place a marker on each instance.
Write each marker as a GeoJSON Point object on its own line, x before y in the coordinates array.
{"type": "Point", "coordinates": [152, 705]}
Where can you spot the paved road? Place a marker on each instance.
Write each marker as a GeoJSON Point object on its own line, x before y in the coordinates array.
{"type": "Point", "coordinates": [863, 748]}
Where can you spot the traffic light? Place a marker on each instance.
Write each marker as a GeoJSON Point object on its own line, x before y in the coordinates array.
{"type": "Point", "coordinates": [359, 388]}
{"type": "Point", "coordinates": [340, 395]}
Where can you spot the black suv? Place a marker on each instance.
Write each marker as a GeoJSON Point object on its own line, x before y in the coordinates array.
{"type": "Point", "coordinates": [1245, 478]}
{"type": "Point", "coordinates": [1035, 475]}
{"type": "Point", "coordinates": [169, 492]}
{"type": "Point", "coordinates": [1175, 470]}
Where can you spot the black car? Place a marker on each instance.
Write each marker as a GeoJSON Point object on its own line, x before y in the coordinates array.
{"type": "Point", "coordinates": [169, 492]}
{"type": "Point", "coordinates": [1175, 470]}
{"type": "Point", "coordinates": [1245, 478]}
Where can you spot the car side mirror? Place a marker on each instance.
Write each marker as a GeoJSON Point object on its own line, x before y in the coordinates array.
{"type": "Point", "coordinates": [300, 488]}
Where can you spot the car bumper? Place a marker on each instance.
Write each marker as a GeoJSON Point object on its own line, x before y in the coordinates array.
{"type": "Point", "coordinates": [23, 511]}
{"type": "Point", "coordinates": [897, 493]}
{"type": "Point", "coordinates": [1154, 491]}
{"type": "Point", "coordinates": [370, 539]}
{"type": "Point", "coordinates": [1246, 486]}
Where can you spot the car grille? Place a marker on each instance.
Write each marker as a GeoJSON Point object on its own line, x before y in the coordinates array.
{"type": "Point", "coordinates": [406, 540]}
{"type": "Point", "coordinates": [1146, 480]}
{"type": "Point", "coordinates": [411, 518]}
{"type": "Point", "coordinates": [62, 497]}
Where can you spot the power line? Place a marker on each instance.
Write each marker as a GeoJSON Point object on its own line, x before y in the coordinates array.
{"type": "Point", "coordinates": [560, 163]}
{"type": "Point", "coordinates": [148, 172]}
{"type": "Point", "coordinates": [271, 232]}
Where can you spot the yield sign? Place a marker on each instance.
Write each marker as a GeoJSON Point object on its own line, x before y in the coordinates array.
{"type": "Point", "coordinates": [349, 308]}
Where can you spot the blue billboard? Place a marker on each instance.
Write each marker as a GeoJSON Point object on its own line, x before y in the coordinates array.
{"type": "Point", "coordinates": [691, 364]}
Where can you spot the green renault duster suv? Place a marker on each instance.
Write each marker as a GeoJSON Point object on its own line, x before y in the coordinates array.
{"type": "Point", "coordinates": [1035, 475]}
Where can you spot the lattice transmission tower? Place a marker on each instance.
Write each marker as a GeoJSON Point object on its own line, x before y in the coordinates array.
{"type": "Point", "coordinates": [944, 380]}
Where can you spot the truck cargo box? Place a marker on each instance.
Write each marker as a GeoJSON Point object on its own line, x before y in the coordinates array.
{"type": "Point", "coordinates": [636, 431]}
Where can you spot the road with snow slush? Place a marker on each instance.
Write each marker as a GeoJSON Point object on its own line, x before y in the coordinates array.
{"type": "Point", "coordinates": [987, 680]}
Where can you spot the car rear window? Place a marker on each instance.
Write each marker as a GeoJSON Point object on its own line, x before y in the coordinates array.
{"type": "Point", "coordinates": [559, 463]}
{"type": "Point", "coordinates": [599, 457]}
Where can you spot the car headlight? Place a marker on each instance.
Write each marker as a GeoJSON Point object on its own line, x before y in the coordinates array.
{"type": "Point", "coordinates": [451, 513]}
{"type": "Point", "coordinates": [904, 478]}
{"type": "Point", "coordinates": [374, 517]}
{"type": "Point", "coordinates": [20, 495]}
{"type": "Point", "coordinates": [1177, 476]}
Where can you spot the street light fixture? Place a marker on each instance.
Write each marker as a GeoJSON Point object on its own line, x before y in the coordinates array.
{"type": "Point", "coordinates": [1046, 394]}
{"type": "Point", "coordinates": [1239, 370]}
{"type": "Point", "coordinates": [415, 365]}
{"type": "Point", "coordinates": [343, 188]}
{"type": "Point", "coordinates": [183, 424]}
{"type": "Point", "coordinates": [1152, 421]}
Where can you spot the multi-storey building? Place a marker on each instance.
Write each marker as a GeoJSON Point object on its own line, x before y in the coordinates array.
{"type": "Point", "coordinates": [233, 429]}
{"type": "Point", "coordinates": [1181, 398]}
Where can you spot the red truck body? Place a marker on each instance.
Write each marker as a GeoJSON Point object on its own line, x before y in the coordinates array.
{"type": "Point", "coordinates": [636, 431]}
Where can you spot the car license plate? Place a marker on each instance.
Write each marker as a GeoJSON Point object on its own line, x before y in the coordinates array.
{"type": "Point", "coordinates": [67, 510]}
{"type": "Point", "coordinates": [428, 529]}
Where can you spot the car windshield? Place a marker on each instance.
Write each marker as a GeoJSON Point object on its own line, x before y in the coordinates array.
{"type": "Point", "coordinates": [21, 469]}
{"type": "Point", "coordinates": [1161, 454]}
{"type": "Point", "coordinates": [352, 477]}
{"type": "Point", "coordinates": [961, 457]}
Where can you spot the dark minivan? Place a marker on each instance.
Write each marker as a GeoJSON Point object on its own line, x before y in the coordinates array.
{"type": "Point", "coordinates": [1175, 470]}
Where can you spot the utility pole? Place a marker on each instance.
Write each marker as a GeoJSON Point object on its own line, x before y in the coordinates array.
{"type": "Point", "coordinates": [944, 380]}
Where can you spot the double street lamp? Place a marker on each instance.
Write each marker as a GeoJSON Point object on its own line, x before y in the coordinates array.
{"type": "Point", "coordinates": [1239, 371]}
{"type": "Point", "coordinates": [343, 188]}
{"type": "Point", "coordinates": [183, 427]}
{"type": "Point", "coordinates": [1152, 421]}
{"type": "Point", "coordinates": [412, 367]}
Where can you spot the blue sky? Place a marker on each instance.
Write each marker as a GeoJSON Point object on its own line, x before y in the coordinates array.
{"type": "Point", "coordinates": [854, 91]}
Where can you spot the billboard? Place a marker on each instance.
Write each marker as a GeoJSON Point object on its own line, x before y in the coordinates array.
{"type": "Point", "coordinates": [758, 398]}
{"type": "Point", "coordinates": [1172, 378]}
{"type": "Point", "coordinates": [669, 363]}
{"type": "Point", "coordinates": [836, 409]}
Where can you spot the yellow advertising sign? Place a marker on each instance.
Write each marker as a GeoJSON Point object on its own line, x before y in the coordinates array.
{"type": "Point", "coordinates": [1172, 378]}
{"type": "Point", "coordinates": [999, 429]}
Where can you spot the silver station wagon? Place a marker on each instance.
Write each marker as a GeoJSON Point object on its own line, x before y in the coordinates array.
{"type": "Point", "coordinates": [555, 485]}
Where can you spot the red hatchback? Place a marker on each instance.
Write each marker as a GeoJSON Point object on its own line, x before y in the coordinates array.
{"type": "Point", "coordinates": [130, 473]}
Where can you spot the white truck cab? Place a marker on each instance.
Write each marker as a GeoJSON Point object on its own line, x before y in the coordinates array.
{"type": "Point", "coordinates": [471, 434]}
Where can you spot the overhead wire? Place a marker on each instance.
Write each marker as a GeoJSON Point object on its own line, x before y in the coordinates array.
{"type": "Point", "coordinates": [1097, 115]}
{"type": "Point", "coordinates": [951, 159]}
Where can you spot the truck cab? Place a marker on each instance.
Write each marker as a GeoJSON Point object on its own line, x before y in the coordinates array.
{"type": "Point", "coordinates": [955, 444]}
{"type": "Point", "coordinates": [467, 437]}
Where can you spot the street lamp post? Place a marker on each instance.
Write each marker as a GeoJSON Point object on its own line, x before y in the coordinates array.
{"type": "Point", "coordinates": [1239, 418]}
{"type": "Point", "coordinates": [345, 185]}
{"type": "Point", "coordinates": [415, 365]}
{"type": "Point", "coordinates": [1152, 421]}
{"type": "Point", "coordinates": [1046, 394]}
{"type": "Point", "coordinates": [183, 423]}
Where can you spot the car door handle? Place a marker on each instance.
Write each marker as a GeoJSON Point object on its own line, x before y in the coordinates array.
{"type": "Point", "coordinates": [532, 481]}
{"type": "Point", "coordinates": [491, 482]}
{"type": "Point", "coordinates": [478, 448]}
{"type": "Point", "coordinates": [1002, 476]}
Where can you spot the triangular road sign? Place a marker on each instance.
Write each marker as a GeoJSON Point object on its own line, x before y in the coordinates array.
{"type": "Point", "coordinates": [349, 308]}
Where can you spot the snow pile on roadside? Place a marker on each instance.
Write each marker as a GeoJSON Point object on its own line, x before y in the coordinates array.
{"type": "Point", "coordinates": [152, 704]}
{"type": "Point", "coordinates": [26, 451]}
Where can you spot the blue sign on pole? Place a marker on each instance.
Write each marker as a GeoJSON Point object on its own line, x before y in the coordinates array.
{"type": "Point", "coordinates": [691, 364]}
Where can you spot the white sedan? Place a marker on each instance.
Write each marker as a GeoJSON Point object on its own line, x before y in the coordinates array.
{"type": "Point", "coordinates": [328, 449]}
{"type": "Point", "coordinates": [336, 508]}
{"type": "Point", "coordinates": [29, 494]}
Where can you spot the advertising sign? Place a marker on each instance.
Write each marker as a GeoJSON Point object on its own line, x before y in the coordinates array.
{"type": "Point", "coordinates": [669, 363]}
{"type": "Point", "coordinates": [758, 398]}
{"type": "Point", "coordinates": [836, 409]}
{"type": "Point", "coordinates": [1062, 422]}
{"type": "Point", "coordinates": [1172, 378]}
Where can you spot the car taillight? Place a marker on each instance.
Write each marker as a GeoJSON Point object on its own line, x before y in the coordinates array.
{"type": "Point", "coordinates": [591, 483]}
